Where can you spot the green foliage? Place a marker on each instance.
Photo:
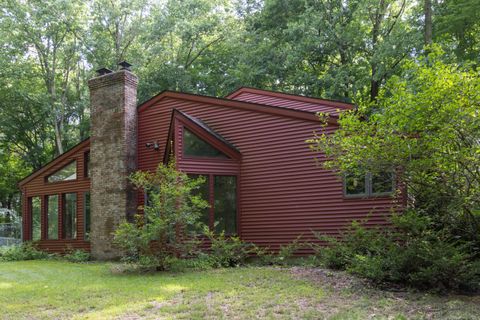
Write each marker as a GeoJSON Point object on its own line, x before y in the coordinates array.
{"type": "Point", "coordinates": [77, 256]}
{"type": "Point", "coordinates": [411, 253]}
{"type": "Point", "coordinates": [425, 125]}
{"type": "Point", "coordinates": [166, 229]}
{"type": "Point", "coordinates": [25, 251]}
{"type": "Point", "coordinates": [283, 257]}
{"type": "Point", "coordinates": [227, 251]}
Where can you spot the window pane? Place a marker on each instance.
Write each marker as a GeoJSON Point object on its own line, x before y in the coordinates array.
{"type": "Point", "coordinates": [382, 182]}
{"type": "Point", "coordinates": [69, 172]}
{"type": "Point", "coordinates": [86, 206]}
{"type": "Point", "coordinates": [52, 216]}
{"type": "Point", "coordinates": [204, 193]}
{"type": "Point", "coordinates": [86, 166]}
{"type": "Point", "coordinates": [194, 146]}
{"type": "Point", "coordinates": [225, 205]}
{"type": "Point", "coordinates": [70, 215]}
{"type": "Point", "coordinates": [36, 218]}
{"type": "Point", "coordinates": [355, 185]}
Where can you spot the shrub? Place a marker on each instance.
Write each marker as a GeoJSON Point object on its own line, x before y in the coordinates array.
{"type": "Point", "coordinates": [25, 251]}
{"type": "Point", "coordinates": [77, 256]}
{"type": "Point", "coordinates": [411, 252]}
{"type": "Point", "coordinates": [160, 233]}
{"type": "Point", "coordinates": [283, 257]}
{"type": "Point", "coordinates": [227, 251]}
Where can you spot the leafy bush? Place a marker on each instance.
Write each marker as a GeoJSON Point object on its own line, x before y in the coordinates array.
{"type": "Point", "coordinates": [227, 251]}
{"type": "Point", "coordinates": [283, 257]}
{"type": "Point", "coordinates": [166, 229]}
{"type": "Point", "coordinates": [77, 256]}
{"type": "Point", "coordinates": [412, 252]}
{"type": "Point", "coordinates": [25, 251]}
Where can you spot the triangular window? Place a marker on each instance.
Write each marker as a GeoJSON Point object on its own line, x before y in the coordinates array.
{"type": "Point", "coordinates": [67, 173]}
{"type": "Point", "coordinates": [193, 146]}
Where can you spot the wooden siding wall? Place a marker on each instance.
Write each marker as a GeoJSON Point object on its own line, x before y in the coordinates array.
{"type": "Point", "coordinates": [283, 192]}
{"type": "Point", "coordinates": [39, 187]}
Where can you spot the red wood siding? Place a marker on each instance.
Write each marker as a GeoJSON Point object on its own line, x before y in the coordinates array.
{"type": "Point", "coordinates": [36, 185]}
{"type": "Point", "coordinates": [283, 192]}
{"type": "Point", "coordinates": [288, 101]}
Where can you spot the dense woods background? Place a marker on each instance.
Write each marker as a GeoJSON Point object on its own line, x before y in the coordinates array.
{"type": "Point", "coordinates": [336, 49]}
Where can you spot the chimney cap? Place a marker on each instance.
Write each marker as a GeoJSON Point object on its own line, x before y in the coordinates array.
{"type": "Point", "coordinates": [124, 65]}
{"type": "Point", "coordinates": [103, 71]}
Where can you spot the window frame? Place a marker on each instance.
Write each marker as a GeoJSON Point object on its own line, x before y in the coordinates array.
{"type": "Point", "coordinates": [225, 157]}
{"type": "Point", "coordinates": [211, 198]}
{"type": "Point", "coordinates": [59, 213]}
{"type": "Point", "coordinates": [63, 214]}
{"type": "Point", "coordinates": [30, 211]}
{"type": "Point", "coordinates": [368, 187]}
{"type": "Point", "coordinates": [85, 237]}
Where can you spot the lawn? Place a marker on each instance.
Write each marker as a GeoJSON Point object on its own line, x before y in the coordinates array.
{"type": "Point", "coordinates": [55, 289]}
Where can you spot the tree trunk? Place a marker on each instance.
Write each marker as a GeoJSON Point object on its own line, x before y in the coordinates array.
{"type": "Point", "coordinates": [427, 10]}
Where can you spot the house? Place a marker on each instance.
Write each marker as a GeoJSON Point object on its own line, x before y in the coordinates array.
{"type": "Point", "coordinates": [262, 180]}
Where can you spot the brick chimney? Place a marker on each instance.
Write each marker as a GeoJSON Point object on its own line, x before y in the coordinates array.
{"type": "Point", "coordinates": [113, 146]}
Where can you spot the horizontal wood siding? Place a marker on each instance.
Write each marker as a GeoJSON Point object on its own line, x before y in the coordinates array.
{"type": "Point", "coordinates": [37, 186]}
{"type": "Point", "coordinates": [283, 192]}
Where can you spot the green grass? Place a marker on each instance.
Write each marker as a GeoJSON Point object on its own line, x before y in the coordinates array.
{"type": "Point", "coordinates": [56, 290]}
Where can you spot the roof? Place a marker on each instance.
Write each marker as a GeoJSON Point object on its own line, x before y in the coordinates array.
{"type": "Point", "coordinates": [232, 103]}
{"type": "Point", "coordinates": [289, 101]}
{"type": "Point", "coordinates": [50, 164]}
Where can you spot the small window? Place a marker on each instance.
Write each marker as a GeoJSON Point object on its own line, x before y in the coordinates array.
{"type": "Point", "coordinates": [69, 220]}
{"type": "Point", "coordinates": [196, 147]}
{"type": "Point", "coordinates": [52, 217]}
{"type": "Point", "coordinates": [355, 185]}
{"type": "Point", "coordinates": [382, 183]}
{"type": "Point", "coordinates": [369, 184]}
{"type": "Point", "coordinates": [36, 214]}
{"type": "Point", "coordinates": [86, 164]}
{"type": "Point", "coordinates": [86, 214]}
{"type": "Point", "coordinates": [225, 204]}
{"type": "Point", "coordinates": [67, 173]}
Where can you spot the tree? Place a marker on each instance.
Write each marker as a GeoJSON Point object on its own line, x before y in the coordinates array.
{"type": "Point", "coordinates": [425, 126]}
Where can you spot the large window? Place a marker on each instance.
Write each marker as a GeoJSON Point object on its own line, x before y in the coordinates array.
{"type": "Point", "coordinates": [86, 214]}
{"type": "Point", "coordinates": [195, 147]}
{"type": "Point", "coordinates": [369, 184]}
{"type": "Point", "coordinates": [69, 215]}
{"type": "Point", "coordinates": [36, 216]}
{"type": "Point", "coordinates": [223, 203]}
{"type": "Point", "coordinates": [67, 173]}
{"type": "Point", "coordinates": [52, 217]}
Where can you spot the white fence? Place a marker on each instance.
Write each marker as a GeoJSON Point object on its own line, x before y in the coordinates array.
{"type": "Point", "coordinates": [10, 233]}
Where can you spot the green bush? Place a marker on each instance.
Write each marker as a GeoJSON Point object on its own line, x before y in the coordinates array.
{"type": "Point", "coordinates": [25, 251]}
{"type": "Point", "coordinates": [77, 256]}
{"type": "Point", "coordinates": [284, 256]}
{"type": "Point", "coordinates": [227, 251]}
{"type": "Point", "coordinates": [411, 252]}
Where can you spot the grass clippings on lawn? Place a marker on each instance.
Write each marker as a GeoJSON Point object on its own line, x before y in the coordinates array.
{"type": "Point", "coordinates": [61, 290]}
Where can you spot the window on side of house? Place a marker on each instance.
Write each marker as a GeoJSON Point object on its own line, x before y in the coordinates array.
{"type": "Point", "coordinates": [369, 184]}
{"type": "Point", "coordinates": [36, 217]}
{"type": "Point", "coordinates": [86, 215]}
{"type": "Point", "coordinates": [204, 192]}
{"type": "Point", "coordinates": [193, 146]}
{"type": "Point", "coordinates": [67, 173]}
{"type": "Point", "coordinates": [86, 164]}
{"type": "Point", "coordinates": [52, 217]}
{"type": "Point", "coordinates": [69, 218]}
{"type": "Point", "coordinates": [225, 204]}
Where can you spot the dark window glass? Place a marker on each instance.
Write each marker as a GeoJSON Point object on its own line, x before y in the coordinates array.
{"type": "Point", "coordinates": [52, 216]}
{"type": "Point", "coordinates": [196, 147]}
{"type": "Point", "coordinates": [86, 166]}
{"type": "Point", "coordinates": [355, 185]}
{"type": "Point", "coordinates": [69, 215]}
{"type": "Point", "coordinates": [225, 204]}
{"type": "Point", "coordinates": [69, 172]}
{"type": "Point", "coordinates": [36, 214]}
{"type": "Point", "coordinates": [382, 182]}
{"type": "Point", "coordinates": [86, 208]}
{"type": "Point", "coordinates": [203, 192]}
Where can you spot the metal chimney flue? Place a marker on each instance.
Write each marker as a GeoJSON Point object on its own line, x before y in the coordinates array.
{"type": "Point", "coordinates": [124, 65]}
{"type": "Point", "coordinates": [103, 71]}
